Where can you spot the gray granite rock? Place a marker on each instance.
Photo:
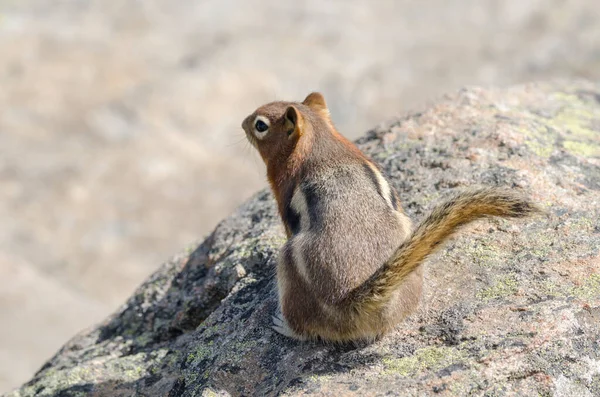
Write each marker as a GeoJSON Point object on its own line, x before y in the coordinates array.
{"type": "Point", "coordinates": [510, 308]}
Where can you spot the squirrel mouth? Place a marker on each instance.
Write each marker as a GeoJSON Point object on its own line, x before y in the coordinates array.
{"type": "Point", "coordinates": [251, 139]}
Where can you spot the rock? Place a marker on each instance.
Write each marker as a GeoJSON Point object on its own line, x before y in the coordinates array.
{"type": "Point", "coordinates": [510, 307]}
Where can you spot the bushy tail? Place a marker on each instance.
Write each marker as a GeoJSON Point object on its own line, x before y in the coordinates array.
{"type": "Point", "coordinates": [442, 223]}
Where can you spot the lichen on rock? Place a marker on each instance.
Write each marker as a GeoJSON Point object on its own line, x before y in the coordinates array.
{"type": "Point", "coordinates": [510, 307]}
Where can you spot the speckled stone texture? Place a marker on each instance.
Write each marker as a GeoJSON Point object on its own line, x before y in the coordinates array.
{"type": "Point", "coordinates": [510, 307]}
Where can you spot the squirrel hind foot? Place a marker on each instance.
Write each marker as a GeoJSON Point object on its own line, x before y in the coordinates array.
{"type": "Point", "coordinates": [281, 326]}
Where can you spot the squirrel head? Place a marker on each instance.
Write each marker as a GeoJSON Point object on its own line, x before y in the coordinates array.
{"type": "Point", "coordinates": [280, 129]}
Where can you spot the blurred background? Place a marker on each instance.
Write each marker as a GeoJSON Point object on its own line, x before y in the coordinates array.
{"type": "Point", "coordinates": [119, 121]}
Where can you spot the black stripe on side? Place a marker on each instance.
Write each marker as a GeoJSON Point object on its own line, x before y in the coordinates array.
{"type": "Point", "coordinates": [312, 202]}
{"type": "Point", "coordinates": [292, 219]}
{"type": "Point", "coordinates": [393, 198]}
{"type": "Point", "coordinates": [373, 178]}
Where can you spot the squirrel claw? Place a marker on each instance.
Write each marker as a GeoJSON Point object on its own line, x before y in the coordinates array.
{"type": "Point", "coordinates": [281, 326]}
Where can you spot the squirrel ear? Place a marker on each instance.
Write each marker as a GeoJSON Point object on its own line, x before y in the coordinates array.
{"type": "Point", "coordinates": [293, 122]}
{"type": "Point", "coordinates": [316, 102]}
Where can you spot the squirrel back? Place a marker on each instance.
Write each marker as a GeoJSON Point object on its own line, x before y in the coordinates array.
{"type": "Point", "coordinates": [351, 266]}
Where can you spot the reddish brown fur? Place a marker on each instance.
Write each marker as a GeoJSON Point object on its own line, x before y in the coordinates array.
{"type": "Point", "coordinates": [283, 156]}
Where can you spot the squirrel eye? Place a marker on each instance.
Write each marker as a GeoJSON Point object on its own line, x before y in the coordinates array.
{"type": "Point", "coordinates": [261, 126]}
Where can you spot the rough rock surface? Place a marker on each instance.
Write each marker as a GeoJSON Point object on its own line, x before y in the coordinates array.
{"type": "Point", "coordinates": [510, 308]}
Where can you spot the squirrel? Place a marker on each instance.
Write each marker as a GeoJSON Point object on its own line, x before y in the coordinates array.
{"type": "Point", "coordinates": [351, 267]}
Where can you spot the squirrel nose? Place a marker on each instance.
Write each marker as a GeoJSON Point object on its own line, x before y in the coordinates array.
{"type": "Point", "coordinates": [244, 123]}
